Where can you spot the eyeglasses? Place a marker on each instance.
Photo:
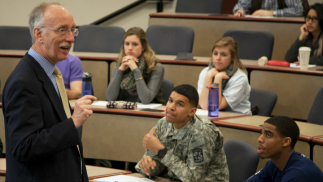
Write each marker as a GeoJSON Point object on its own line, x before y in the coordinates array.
{"type": "Point", "coordinates": [64, 31]}
{"type": "Point", "coordinates": [314, 19]}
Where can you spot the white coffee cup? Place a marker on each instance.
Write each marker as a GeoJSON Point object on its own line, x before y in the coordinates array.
{"type": "Point", "coordinates": [304, 57]}
{"type": "Point", "coordinates": [262, 61]}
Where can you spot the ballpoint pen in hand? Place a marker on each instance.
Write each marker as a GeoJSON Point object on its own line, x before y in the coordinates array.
{"type": "Point", "coordinates": [150, 173]}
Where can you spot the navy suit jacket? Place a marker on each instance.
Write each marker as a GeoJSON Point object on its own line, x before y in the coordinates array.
{"type": "Point", "coordinates": [40, 140]}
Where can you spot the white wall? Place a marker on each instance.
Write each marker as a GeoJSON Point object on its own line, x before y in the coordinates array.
{"type": "Point", "coordinates": [314, 1]}
{"type": "Point", "coordinates": [16, 12]}
{"type": "Point", "coordinates": [139, 16]}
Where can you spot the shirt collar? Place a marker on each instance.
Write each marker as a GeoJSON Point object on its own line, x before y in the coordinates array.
{"type": "Point", "coordinates": [180, 132]}
{"type": "Point", "coordinates": [44, 63]}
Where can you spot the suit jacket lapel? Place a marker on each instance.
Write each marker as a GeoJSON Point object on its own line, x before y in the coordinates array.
{"type": "Point", "coordinates": [48, 87]}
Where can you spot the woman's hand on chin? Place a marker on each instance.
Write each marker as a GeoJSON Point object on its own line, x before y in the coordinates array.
{"type": "Point", "coordinates": [222, 75]}
{"type": "Point", "coordinates": [128, 62]}
{"type": "Point", "coordinates": [212, 72]}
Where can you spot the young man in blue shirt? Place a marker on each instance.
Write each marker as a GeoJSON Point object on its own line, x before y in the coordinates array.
{"type": "Point", "coordinates": [277, 140]}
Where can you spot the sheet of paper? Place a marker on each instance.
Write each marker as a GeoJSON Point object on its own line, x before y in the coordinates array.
{"type": "Point", "coordinates": [292, 65]}
{"type": "Point", "coordinates": [122, 178]}
{"type": "Point", "coordinates": [147, 106]}
{"type": "Point", "coordinates": [250, 16]}
{"type": "Point", "coordinates": [202, 112]}
{"type": "Point", "coordinates": [100, 103]}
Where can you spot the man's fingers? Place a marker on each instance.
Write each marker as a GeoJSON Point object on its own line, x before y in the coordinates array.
{"type": "Point", "coordinates": [145, 164]}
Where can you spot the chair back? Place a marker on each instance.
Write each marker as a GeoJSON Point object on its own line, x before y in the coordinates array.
{"type": "Point", "coordinates": [253, 44]}
{"type": "Point", "coordinates": [94, 38]}
{"type": "Point", "coordinates": [167, 88]}
{"type": "Point", "coordinates": [316, 114]}
{"type": "Point", "coordinates": [200, 6]}
{"type": "Point", "coordinates": [170, 40]}
{"type": "Point", "coordinates": [15, 38]}
{"type": "Point", "coordinates": [265, 101]}
{"type": "Point", "coordinates": [242, 159]}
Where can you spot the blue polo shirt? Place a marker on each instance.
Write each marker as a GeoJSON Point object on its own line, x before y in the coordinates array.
{"type": "Point", "coordinates": [298, 169]}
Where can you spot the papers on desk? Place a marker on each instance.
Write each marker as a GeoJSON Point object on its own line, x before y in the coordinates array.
{"type": "Point", "coordinates": [250, 16]}
{"type": "Point", "coordinates": [100, 103]}
{"type": "Point", "coordinates": [123, 178]}
{"type": "Point", "coordinates": [139, 105]}
{"type": "Point", "coordinates": [202, 112]}
{"type": "Point", "coordinates": [292, 65]}
{"type": "Point", "coordinates": [147, 106]}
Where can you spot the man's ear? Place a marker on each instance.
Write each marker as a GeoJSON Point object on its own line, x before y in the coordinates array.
{"type": "Point", "coordinates": [38, 34]}
{"type": "Point", "coordinates": [287, 141]}
{"type": "Point", "coordinates": [193, 111]}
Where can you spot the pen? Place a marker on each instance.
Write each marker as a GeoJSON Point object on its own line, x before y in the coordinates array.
{"type": "Point", "coordinates": [150, 173]}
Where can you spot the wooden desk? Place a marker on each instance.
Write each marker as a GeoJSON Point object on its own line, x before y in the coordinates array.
{"type": "Point", "coordinates": [209, 28]}
{"type": "Point", "coordinates": [318, 151]}
{"type": "Point", "coordinates": [156, 178]}
{"type": "Point", "coordinates": [100, 65]}
{"type": "Point", "coordinates": [296, 89]}
{"type": "Point", "coordinates": [2, 169]}
{"type": "Point", "coordinates": [95, 63]}
{"type": "Point", "coordinates": [2, 131]}
{"type": "Point", "coordinates": [93, 172]}
{"type": "Point", "coordinates": [8, 61]}
{"type": "Point", "coordinates": [248, 129]}
{"type": "Point", "coordinates": [117, 134]}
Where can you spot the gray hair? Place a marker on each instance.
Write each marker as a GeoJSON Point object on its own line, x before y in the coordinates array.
{"type": "Point", "coordinates": [36, 17]}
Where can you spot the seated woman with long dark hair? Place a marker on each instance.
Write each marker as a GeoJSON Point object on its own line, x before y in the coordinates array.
{"type": "Point", "coordinates": [138, 75]}
{"type": "Point", "coordinates": [311, 36]}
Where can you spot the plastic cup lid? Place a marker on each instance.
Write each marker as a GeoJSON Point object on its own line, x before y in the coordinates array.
{"type": "Point", "coordinates": [304, 49]}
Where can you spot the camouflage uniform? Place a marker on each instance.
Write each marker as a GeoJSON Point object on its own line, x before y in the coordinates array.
{"type": "Point", "coordinates": [195, 151]}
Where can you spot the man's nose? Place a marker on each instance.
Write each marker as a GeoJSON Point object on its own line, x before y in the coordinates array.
{"type": "Point", "coordinates": [69, 37]}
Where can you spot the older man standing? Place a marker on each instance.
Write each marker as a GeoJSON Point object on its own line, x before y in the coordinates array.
{"type": "Point", "coordinates": [42, 141]}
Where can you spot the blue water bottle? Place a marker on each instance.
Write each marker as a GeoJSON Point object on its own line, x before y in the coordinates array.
{"type": "Point", "coordinates": [87, 84]}
{"type": "Point", "coordinates": [213, 100]}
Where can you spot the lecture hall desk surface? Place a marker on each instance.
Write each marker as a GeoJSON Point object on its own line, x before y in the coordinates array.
{"type": "Point", "coordinates": [138, 175]}
{"type": "Point", "coordinates": [116, 134]}
{"type": "Point", "coordinates": [318, 151]}
{"type": "Point", "coordinates": [296, 89]}
{"type": "Point", "coordinates": [93, 172]}
{"type": "Point", "coordinates": [211, 27]}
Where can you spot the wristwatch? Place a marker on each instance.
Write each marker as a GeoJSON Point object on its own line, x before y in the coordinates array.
{"type": "Point", "coordinates": [275, 13]}
{"type": "Point", "coordinates": [161, 153]}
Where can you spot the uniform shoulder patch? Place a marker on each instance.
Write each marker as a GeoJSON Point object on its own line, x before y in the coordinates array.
{"type": "Point", "coordinates": [198, 155]}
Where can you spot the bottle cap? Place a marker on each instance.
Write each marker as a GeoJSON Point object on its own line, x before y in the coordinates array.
{"type": "Point", "coordinates": [213, 85]}
{"type": "Point", "coordinates": [87, 76]}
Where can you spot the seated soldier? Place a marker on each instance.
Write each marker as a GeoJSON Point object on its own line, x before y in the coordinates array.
{"type": "Point", "coordinates": [277, 140]}
{"type": "Point", "coordinates": [187, 146]}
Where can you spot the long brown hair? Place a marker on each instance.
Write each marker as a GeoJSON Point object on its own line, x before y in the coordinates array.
{"type": "Point", "coordinates": [148, 54]}
{"type": "Point", "coordinates": [234, 50]}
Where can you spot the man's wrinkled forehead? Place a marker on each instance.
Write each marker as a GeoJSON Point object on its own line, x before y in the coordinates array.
{"type": "Point", "coordinates": [55, 12]}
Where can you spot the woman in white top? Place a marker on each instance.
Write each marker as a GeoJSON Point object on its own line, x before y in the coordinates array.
{"type": "Point", "coordinates": [227, 70]}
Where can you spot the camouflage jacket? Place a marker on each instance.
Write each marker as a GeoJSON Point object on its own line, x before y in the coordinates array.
{"type": "Point", "coordinates": [195, 151]}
